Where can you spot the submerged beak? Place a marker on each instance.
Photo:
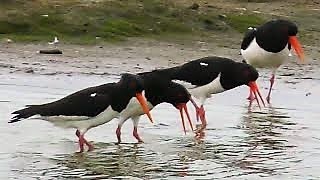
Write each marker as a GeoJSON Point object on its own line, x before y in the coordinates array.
{"type": "Point", "coordinates": [254, 88]}
{"type": "Point", "coordinates": [144, 105]}
{"type": "Point", "coordinates": [293, 40]}
{"type": "Point", "coordinates": [181, 107]}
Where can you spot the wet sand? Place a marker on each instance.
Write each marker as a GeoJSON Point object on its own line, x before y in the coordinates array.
{"type": "Point", "coordinates": [280, 141]}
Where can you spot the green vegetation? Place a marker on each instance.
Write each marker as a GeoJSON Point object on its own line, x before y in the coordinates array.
{"type": "Point", "coordinates": [87, 22]}
{"type": "Point", "coordinates": [242, 22]}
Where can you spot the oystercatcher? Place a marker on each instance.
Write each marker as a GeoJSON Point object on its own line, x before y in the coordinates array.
{"type": "Point", "coordinates": [158, 89]}
{"type": "Point", "coordinates": [269, 45]}
{"type": "Point", "coordinates": [89, 107]}
{"type": "Point", "coordinates": [211, 75]}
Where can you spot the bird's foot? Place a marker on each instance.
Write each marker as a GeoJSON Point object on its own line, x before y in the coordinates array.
{"type": "Point", "coordinates": [200, 113]}
{"type": "Point", "coordinates": [136, 135]}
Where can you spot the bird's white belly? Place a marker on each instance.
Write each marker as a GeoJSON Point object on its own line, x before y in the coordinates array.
{"type": "Point", "coordinates": [260, 58]}
{"type": "Point", "coordinates": [82, 122]}
{"type": "Point", "coordinates": [205, 91]}
{"type": "Point", "coordinates": [133, 109]}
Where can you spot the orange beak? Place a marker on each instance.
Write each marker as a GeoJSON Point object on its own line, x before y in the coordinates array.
{"type": "Point", "coordinates": [144, 105]}
{"type": "Point", "coordinates": [293, 40]}
{"type": "Point", "coordinates": [181, 107]}
{"type": "Point", "coordinates": [254, 88]}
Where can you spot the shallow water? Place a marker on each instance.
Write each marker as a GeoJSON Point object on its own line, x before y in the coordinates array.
{"type": "Point", "coordinates": [280, 141]}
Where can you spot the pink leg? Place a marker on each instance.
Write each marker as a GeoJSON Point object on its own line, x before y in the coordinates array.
{"type": "Point", "coordinates": [136, 135]}
{"type": "Point", "coordinates": [271, 85]}
{"type": "Point", "coordinates": [83, 141]}
{"type": "Point", "coordinates": [202, 114]}
{"type": "Point", "coordinates": [118, 132]}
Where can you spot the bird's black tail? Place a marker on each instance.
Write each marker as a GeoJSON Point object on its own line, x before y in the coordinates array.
{"type": "Point", "coordinates": [29, 111]}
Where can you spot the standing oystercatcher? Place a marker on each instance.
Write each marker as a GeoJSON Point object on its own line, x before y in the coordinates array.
{"type": "Point", "coordinates": [211, 75]}
{"type": "Point", "coordinates": [158, 89]}
{"type": "Point", "coordinates": [269, 45]}
{"type": "Point", "coordinates": [89, 107]}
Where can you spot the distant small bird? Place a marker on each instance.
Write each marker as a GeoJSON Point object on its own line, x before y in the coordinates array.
{"type": "Point", "coordinates": [269, 45]}
{"type": "Point", "coordinates": [9, 40]}
{"type": "Point", "coordinates": [55, 41]}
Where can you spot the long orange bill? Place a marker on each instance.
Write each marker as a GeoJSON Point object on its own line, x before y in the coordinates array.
{"type": "Point", "coordinates": [144, 105]}
{"type": "Point", "coordinates": [254, 88]}
{"type": "Point", "coordinates": [293, 40]}
{"type": "Point", "coordinates": [183, 107]}
{"type": "Point", "coordinates": [180, 107]}
{"type": "Point", "coordinates": [188, 116]}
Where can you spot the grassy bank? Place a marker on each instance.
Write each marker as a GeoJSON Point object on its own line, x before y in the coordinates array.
{"type": "Point", "coordinates": [93, 21]}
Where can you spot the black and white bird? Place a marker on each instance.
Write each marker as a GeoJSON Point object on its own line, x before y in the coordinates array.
{"type": "Point", "coordinates": [269, 45]}
{"type": "Point", "coordinates": [211, 75]}
{"type": "Point", "coordinates": [158, 89]}
{"type": "Point", "coordinates": [55, 41]}
{"type": "Point", "coordinates": [89, 107]}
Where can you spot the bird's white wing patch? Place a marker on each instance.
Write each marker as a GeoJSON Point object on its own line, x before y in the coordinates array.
{"type": "Point", "coordinates": [203, 64]}
{"type": "Point", "coordinates": [185, 84]}
{"type": "Point", "coordinates": [93, 94]}
{"type": "Point", "coordinates": [252, 28]}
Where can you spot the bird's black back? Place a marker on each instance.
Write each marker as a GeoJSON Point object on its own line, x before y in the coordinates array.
{"type": "Point", "coordinates": [272, 36]}
{"type": "Point", "coordinates": [87, 102]}
{"type": "Point", "coordinates": [204, 70]}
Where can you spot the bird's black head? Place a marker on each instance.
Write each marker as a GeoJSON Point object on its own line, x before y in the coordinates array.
{"type": "Point", "coordinates": [133, 86]}
{"type": "Point", "coordinates": [176, 94]}
{"type": "Point", "coordinates": [287, 27]}
{"type": "Point", "coordinates": [160, 89]}
{"type": "Point", "coordinates": [279, 27]}
{"type": "Point", "coordinates": [133, 83]}
{"type": "Point", "coordinates": [238, 74]}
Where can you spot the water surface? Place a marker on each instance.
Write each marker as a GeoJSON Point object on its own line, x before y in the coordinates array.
{"type": "Point", "coordinates": [280, 141]}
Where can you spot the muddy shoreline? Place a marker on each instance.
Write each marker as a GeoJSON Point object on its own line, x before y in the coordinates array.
{"type": "Point", "coordinates": [113, 59]}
